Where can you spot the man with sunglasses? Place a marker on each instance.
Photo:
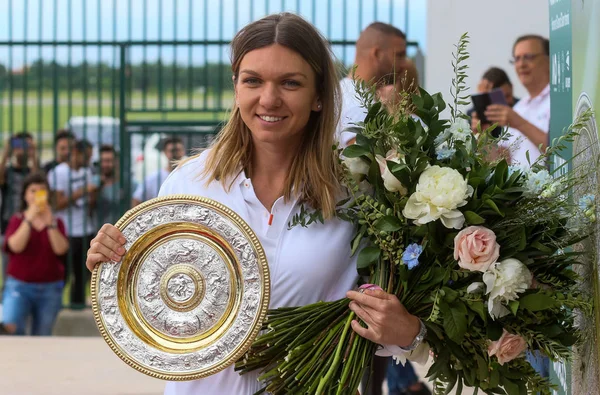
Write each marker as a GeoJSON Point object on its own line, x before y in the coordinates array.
{"type": "Point", "coordinates": [529, 119]}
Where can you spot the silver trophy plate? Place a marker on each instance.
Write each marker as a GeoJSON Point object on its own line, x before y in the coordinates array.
{"type": "Point", "coordinates": [191, 292]}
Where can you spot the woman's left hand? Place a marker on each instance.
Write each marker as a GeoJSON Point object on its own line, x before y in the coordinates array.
{"type": "Point", "coordinates": [388, 321]}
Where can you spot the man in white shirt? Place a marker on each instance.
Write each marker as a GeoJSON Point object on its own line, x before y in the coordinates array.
{"type": "Point", "coordinates": [380, 58]}
{"type": "Point", "coordinates": [529, 119]}
{"type": "Point", "coordinates": [75, 193]}
{"type": "Point", "coordinates": [174, 151]}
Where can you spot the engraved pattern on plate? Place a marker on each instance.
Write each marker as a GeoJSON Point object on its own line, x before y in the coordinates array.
{"type": "Point", "coordinates": [158, 360]}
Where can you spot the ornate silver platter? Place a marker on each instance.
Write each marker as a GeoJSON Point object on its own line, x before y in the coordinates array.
{"type": "Point", "coordinates": [191, 292]}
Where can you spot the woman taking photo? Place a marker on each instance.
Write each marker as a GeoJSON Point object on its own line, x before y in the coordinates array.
{"type": "Point", "coordinates": [35, 241]}
{"type": "Point", "coordinates": [274, 155]}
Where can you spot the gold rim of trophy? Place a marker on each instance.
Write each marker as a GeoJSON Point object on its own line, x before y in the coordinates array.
{"type": "Point", "coordinates": [205, 339]}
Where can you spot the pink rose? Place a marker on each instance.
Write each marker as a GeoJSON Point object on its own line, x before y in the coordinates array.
{"type": "Point", "coordinates": [507, 348]}
{"type": "Point", "coordinates": [475, 248]}
{"type": "Point", "coordinates": [371, 287]}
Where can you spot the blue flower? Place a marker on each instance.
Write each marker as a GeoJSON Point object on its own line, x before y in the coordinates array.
{"type": "Point", "coordinates": [411, 255]}
{"type": "Point", "coordinates": [443, 152]}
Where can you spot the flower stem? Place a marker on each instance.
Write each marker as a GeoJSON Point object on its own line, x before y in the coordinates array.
{"type": "Point", "coordinates": [338, 354]}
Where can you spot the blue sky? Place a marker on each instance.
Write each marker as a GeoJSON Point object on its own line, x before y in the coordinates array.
{"type": "Point", "coordinates": [172, 21]}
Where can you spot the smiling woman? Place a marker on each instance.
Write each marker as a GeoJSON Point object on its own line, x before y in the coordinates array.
{"type": "Point", "coordinates": [273, 158]}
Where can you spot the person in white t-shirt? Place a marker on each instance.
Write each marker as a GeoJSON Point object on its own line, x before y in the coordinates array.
{"type": "Point", "coordinates": [72, 184]}
{"type": "Point", "coordinates": [273, 156]}
{"type": "Point", "coordinates": [529, 119]}
{"type": "Point", "coordinates": [174, 151]}
{"type": "Point", "coordinates": [380, 59]}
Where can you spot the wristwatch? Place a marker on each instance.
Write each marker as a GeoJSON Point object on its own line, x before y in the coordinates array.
{"type": "Point", "coordinates": [53, 224]}
{"type": "Point", "coordinates": [418, 339]}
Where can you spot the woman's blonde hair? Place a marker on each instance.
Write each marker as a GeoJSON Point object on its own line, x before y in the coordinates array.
{"type": "Point", "coordinates": [313, 174]}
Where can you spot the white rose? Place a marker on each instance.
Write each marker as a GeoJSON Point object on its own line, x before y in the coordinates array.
{"type": "Point", "coordinates": [390, 182]}
{"type": "Point", "coordinates": [504, 281]}
{"type": "Point", "coordinates": [440, 191]}
{"type": "Point", "coordinates": [357, 167]}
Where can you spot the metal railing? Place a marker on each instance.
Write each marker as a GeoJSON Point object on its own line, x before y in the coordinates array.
{"type": "Point", "coordinates": [127, 73]}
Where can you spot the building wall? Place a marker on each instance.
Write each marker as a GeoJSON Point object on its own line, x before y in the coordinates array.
{"type": "Point", "coordinates": [492, 26]}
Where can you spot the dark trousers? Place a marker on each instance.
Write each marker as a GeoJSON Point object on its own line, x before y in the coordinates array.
{"type": "Point", "coordinates": [375, 382]}
{"type": "Point", "coordinates": [76, 273]}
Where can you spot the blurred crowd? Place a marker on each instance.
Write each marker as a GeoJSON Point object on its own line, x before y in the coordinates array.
{"type": "Point", "coordinates": [49, 213]}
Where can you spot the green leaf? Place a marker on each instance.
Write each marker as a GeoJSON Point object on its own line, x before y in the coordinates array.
{"type": "Point", "coordinates": [510, 387]}
{"type": "Point", "coordinates": [357, 239]}
{"type": "Point", "coordinates": [362, 140]}
{"type": "Point", "coordinates": [479, 308]}
{"type": "Point", "coordinates": [513, 306]}
{"type": "Point", "coordinates": [567, 339]}
{"type": "Point", "coordinates": [540, 247]}
{"type": "Point", "coordinates": [536, 302]}
{"type": "Point", "coordinates": [473, 219]}
{"type": "Point", "coordinates": [490, 203]}
{"type": "Point", "coordinates": [450, 295]}
{"type": "Point", "coordinates": [501, 173]}
{"type": "Point", "coordinates": [355, 151]}
{"type": "Point", "coordinates": [494, 330]}
{"type": "Point", "coordinates": [551, 330]}
{"type": "Point", "coordinates": [522, 238]}
{"type": "Point", "coordinates": [482, 368]}
{"type": "Point", "coordinates": [373, 112]}
{"type": "Point", "coordinates": [494, 378]}
{"type": "Point", "coordinates": [455, 320]}
{"type": "Point", "coordinates": [368, 256]}
{"type": "Point", "coordinates": [388, 223]}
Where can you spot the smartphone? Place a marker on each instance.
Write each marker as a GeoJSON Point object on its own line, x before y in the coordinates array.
{"type": "Point", "coordinates": [482, 100]}
{"type": "Point", "coordinates": [18, 142]}
{"type": "Point", "coordinates": [41, 198]}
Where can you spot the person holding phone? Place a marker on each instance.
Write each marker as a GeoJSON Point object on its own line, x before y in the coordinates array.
{"type": "Point", "coordinates": [493, 78]}
{"type": "Point", "coordinates": [19, 158]}
{"type": "Point", "coordinates": [529, 119]}
{"type": "Point", "coordinates": [35, 242]}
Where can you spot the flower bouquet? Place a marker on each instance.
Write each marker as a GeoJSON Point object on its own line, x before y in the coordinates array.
{"type": "Point", "coordinates": [482, 252]}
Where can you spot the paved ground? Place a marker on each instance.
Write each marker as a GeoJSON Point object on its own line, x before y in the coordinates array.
{"type": "Point", "coordinates": [76, 361]}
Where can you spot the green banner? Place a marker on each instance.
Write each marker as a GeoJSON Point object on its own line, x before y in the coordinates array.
{"type": "Point", "coordinates": [561, 110]}
{"type": "Point", "coordinates": [561, 82]}
{"type": "Point", "coordinates": [575, 87]}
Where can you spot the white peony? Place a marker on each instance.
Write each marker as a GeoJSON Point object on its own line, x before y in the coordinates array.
{"type": "Point", "coordinates": [357, 167]}
{"type": "Point", "coordinates": [504, 281]}
{"type": "Point", "coordinates": [440, 191]}
{"type": "Point", "coordinates": [390, 182]}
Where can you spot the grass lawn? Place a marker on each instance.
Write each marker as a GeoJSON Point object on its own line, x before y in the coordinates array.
{"type": "Point", "coordinates": [36, 113]}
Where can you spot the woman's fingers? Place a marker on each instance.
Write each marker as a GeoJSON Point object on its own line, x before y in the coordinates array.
{"type": "Point", "coordinates": [362, 313]}
{"type": "Point", "coordinates": [108, 245]}
{"type": "Point", "coordinates": [113, 232]}
{"type": "Point", "coordinates": [93, 259]}
{"type": "Point", "coordinates": [99, 248]}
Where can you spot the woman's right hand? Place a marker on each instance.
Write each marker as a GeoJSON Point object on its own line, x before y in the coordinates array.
{"type": "Point", "coordinates": [108, 245]}
{"type": "Point", "coordinates": [32, 211]}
